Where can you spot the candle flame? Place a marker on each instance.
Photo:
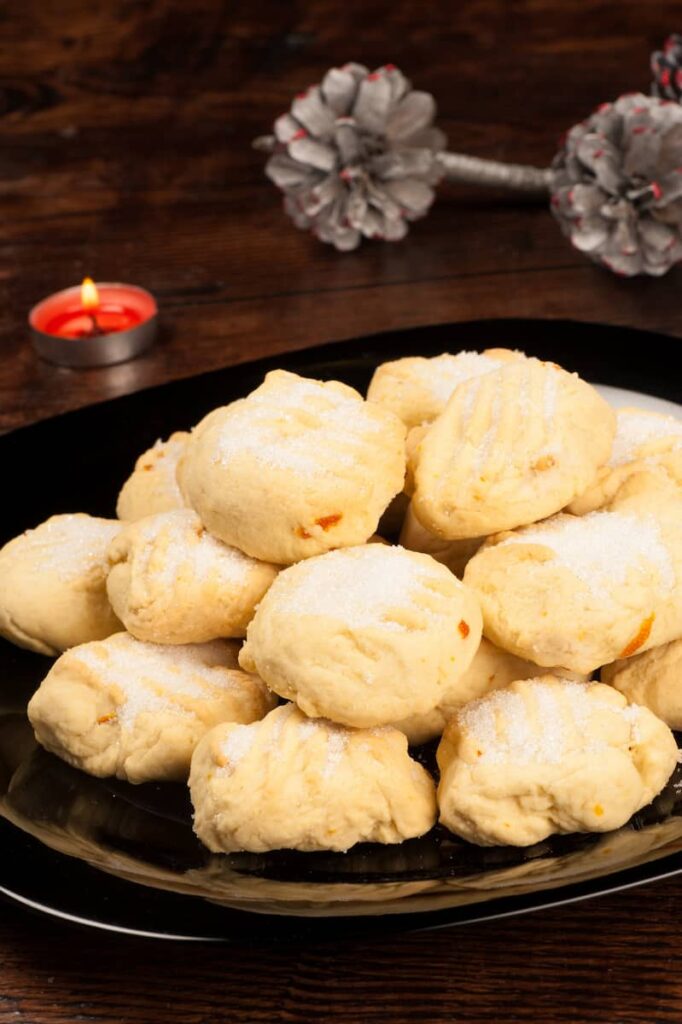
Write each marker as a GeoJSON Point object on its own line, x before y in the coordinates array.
{"type": "Point", "coordinates": [89, 294]}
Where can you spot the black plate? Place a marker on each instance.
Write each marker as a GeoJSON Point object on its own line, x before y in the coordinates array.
{"type": "Point", "coordinates": [124, 858]}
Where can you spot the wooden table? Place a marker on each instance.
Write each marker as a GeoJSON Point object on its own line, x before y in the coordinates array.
{"type": "Point", "coordinates": [126, 155]}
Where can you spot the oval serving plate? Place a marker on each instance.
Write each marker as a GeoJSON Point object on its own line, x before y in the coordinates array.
{"type": "Point", "coordinates": [72, 845]}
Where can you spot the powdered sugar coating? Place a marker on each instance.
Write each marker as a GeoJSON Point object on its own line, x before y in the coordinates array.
{"type": "Point", "coordinates": [337, 743]}
{"type": "Point", "coordinates": [152, 677]}
{"type": "Point", "coordinates": [188, 544]}
{"type": "Point", "coordinates": [72, 544]}
{"type": "Point", "coordinates": [442, 374]}
{"type": "Point", "coordinates": [485, 445]}
{"type": "Point", "coordinates": [638, 428]}
{"type": "Point", "coordinates": [361, 587]}
{"type": "Point", "coordinates": [511, 730]}
{"type": "Point", "coordinates": [274, 432]}
{"type": "Point", "coordinates": [236, 746]}
{"type": "Point", "coordinates": [241, 740]}
{"type": "Point", "coordinates": [601, 548]}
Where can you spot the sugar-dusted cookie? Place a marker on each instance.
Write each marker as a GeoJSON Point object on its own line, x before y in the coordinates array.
{"type": "Point", "coordinates": [581, 591]}
{"type": "Point", "coordinates": [364, 636]}
{"type": "Point", "coordinates": [453, 553]}
{"type": "Point", "coordinates": [152, 486]}
{"type": "Point", "coordinates": [290, 782]}
{"type": "Point", "coordinates": [491, 669]}
{"type": "Point", "coordinates": [653, 679]}
{"type": "Point", "coordinates": [296, 468]}
{"type": "Point", "coordinates": [511, 447]}
{"type": "Point", "coordinates": [643, 439]}
{"type": "Point", "coordinates": [549, 755]}
{"type": "Point", "coordinates": [171, 582]}
{"type": "Point", "coordinates": [52, 584]}
{"type": "Point", "coordinates": [417, 389]}
{"type": "Point", "coordinates": [134, 710]}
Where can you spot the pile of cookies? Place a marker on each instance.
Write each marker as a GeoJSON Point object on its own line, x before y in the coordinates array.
{"type": "Point", "coordinates": [245, 625]}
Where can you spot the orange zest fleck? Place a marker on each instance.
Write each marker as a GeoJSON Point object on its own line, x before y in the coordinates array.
{"type": "Point", "coordinates": [302, 533]}
{"type": "Point", "coordinates": [544, 462]}
{"type": "Point", "coordinates": [105, 718]}
{"type": "Point", "coordinates": [463, 628]}
{"type": "Point", "coordinates": [326, 522]}
{"type": "Point", "coordinates": [598, 810]}
{"type": "Point", "coordinates": [640, 637]}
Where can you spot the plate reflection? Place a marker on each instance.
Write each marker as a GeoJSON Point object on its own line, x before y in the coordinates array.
{"type": "Point", "coordinates": [144, 834]}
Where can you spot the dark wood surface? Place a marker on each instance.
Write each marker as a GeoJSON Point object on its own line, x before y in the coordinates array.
{"type": "Point", "coordinates": [126, 155]}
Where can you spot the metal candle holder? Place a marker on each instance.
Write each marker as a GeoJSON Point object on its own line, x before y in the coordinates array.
{"type": "Point", "coordinates": [99, 349]}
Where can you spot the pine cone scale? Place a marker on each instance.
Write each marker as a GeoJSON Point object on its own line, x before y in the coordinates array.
{"type": "Point", "coordinates": [587, 200]}
{"type": "Point", "coordinates": [311, 153]}
{"type": "Point", "coordinates": [658, 236]}
{"type": "Point", "coordinates": [288, 174]}
{"type": "Point", "coordinates": [339, 87]}
{"type": "Point", "coordinates": [413, 114]}
{"type": "Point", "coordinates": [347, 142]}
{"type": "Point", "coordinates": [642, 157]}
{"type": "Point", "coordinates": [411, 195]}
{"type": "Point", "coordinates": [310, 110]}
{"type": "Point", "coordinates": [614, 194]}
{"type": "Point", "coordinates": [669, 188]}
{"type": "Point", "coordinates": [286, 128]}
{"type": "Point", "coordinates": [372, 104]}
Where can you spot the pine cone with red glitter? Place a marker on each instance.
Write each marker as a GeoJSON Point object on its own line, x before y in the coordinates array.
{"type": "Point", "coordinates": [617, 189]}
{"type": "Point", "coordinates": [666, 67]}
{"type": "Point", "coordinates": [357, 155]}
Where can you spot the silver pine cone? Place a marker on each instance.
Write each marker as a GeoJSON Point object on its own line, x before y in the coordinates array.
{"type": "Point", "coordinates": [666, 66]}
{"type": "Point", "coordinates": [617, 189]}
{"type": "Point", "coordinates": [356, 156]}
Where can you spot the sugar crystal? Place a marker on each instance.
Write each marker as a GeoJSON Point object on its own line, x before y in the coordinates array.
{"type": "Point", "coordinates": [188, 545]}
{"type": "Point", "coordinates": [288, 429]}
{"type": "Point", "coordinates": [237, 744]}
{"type": "Point", "coordinates": [442, 374]}
{"type": "Point", "coordinates": [360, 586]}
{"type": "Point", "coordinates": [601, 548]}
{"type": "Point", "coordinates": [71, 545]}
{"type": "Point", "coordinates": [539, 724]}
{"type": "Point", "coordinates": [636, 429]}
{"type": "Point", "coordinates": [150, 676]}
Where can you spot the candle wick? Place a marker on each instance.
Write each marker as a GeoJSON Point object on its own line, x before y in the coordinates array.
{"type": "Point", "coordinates": [95, 330]}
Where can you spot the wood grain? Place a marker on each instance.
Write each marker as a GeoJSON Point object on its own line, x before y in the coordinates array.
{"type": "Point", "coordinates": [125, 154]}
{"type": "Point", "coordinates": [610, 960]}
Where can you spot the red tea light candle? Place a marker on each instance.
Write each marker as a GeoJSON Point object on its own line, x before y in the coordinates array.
{"type": "Point", "coordinates": [94, 324]}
